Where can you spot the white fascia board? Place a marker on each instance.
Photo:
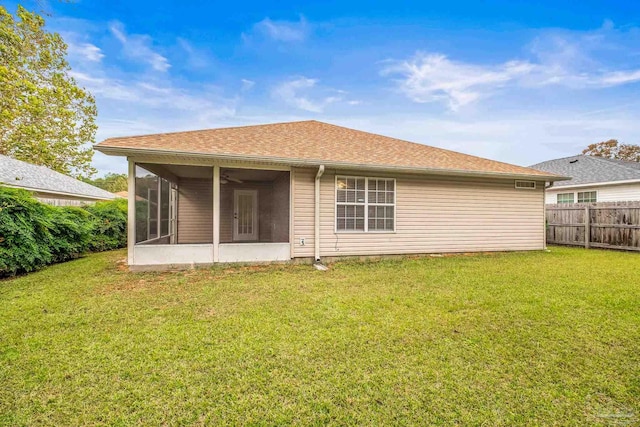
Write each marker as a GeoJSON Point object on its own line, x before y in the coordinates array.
{"type": "Point", "coordinates": [596, 184]}
{"type": "Point", "coordinates": [57, 193]}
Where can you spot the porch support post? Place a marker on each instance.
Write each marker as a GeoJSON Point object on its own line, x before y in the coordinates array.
{"type": "Point", "coordinates": [216, 213]}
{"type": "Point", "coordinates": [131, 211]}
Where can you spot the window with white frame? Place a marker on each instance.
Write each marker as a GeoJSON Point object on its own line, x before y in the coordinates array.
{"type": "Point", "coordinates": [365, 204]}
{"type": "Point", "coordinates": [565, 198]}
{"type": "Point", "coordinates": [587, 197]}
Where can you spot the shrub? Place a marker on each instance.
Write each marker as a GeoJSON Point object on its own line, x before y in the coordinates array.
{"type": "Point", "coordinates": [71, 230]}
{"type": "Point", "coordinates": [24, 232]}
{"type": "Point", "coordinates": [33, 234]}
{"type": "Point", "coordinates": [109, 222]}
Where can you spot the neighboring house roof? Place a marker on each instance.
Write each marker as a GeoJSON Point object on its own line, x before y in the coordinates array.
{"type": "Point", "coordinates": [314, 143]}
{"type": "Point", "coordinates": [591, 170]}
{"type": "Point", "coordinates": [16, 173]}
{"type": "Point", "coordinates": [122, 194]}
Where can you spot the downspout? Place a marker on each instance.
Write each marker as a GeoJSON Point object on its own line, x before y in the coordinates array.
{"type": "Point", "coordinates": [316, 222]}
{"type": "Point", "coordinates": [544, 211]}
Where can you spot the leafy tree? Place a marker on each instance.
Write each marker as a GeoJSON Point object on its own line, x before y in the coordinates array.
{"type": "Point", "coordinates": [112, 182]}
{"type": "Point", "coordinates": [45, 117]}
{"type": "Point", "coordinates": [612, 149]}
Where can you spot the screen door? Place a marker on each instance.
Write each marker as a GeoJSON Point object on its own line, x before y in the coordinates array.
{"type": "Point", "coordinates": [245, 215]}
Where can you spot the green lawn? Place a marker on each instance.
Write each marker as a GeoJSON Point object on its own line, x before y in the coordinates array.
{"type": "Point", "coordinates": [503, 339]}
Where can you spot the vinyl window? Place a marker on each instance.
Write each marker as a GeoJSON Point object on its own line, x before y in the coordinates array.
{"type": "Point", "coordinates": [587, 197]}
{"type": "Point", "coordinates": [365, 204]}
{"type": "Point", "coordinates": [565, 198]}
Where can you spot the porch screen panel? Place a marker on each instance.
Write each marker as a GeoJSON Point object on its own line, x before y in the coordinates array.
{"type": "Point", "coordinates": [165, 211]}
{"type": "Point", "coordinates": [146, 202]}
{"type": "Point", "coordinates": [153, 207]}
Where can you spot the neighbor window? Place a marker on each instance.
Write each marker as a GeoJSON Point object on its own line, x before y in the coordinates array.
{"type": "Point", "coordinates": [365, 204]}
{"type": "Point", "coordinates": [565, 198]}
{"type": "Point", "coordinates": [587, 197]}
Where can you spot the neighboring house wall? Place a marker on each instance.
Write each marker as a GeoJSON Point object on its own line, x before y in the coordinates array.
{"type": "Point", "coordinates": [195, 210]}
{"type": "Point", "coordinates": [605, 193]}
{"type": "Point", "coordinates": [433, 215]}
{"type": "Point", "coordinates": [51, 199]}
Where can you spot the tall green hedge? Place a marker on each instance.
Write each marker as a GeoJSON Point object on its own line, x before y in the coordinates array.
{"type": "Point", "coordinates": [33, 234]}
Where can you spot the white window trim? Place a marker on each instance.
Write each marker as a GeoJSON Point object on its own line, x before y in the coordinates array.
{"type": "Point", "coordinates": [575, 196]}
{"type": "Point", "coordinates": [587, 191]}
{"type": "Point", "coordinates": [565, 203]}
{"type": "Point", "coordinates": [535, 185]}
{"type": "Point", "coordinates": [365, 204]}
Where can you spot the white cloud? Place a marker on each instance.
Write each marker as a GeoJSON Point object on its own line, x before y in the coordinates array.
{"type": "Point", "coordinates": [297, 92]}
{"type": "Point", "coordinates": [85, 51]}
{"type": "Point", "coordinates": [581, 60]}
{"type": "Point", "coordinates": [162, 94]}
{"type": "Point", "coordinates": [434, 77]}
{"type": "Point", "coordinates": [247, 85]}
{"type": "Point", "coordinates": [620, 77]}
{"type": "Point", "coordinates": [138, 47]}
{"type": "Point", "coordinates": [284, 31]}
{"type": "Point", "coordinates": [196, 58]}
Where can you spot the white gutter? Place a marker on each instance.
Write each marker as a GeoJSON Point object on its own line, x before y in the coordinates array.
{"type": "Point", "coordinates": [118, 151]}
{"type": "Point", "coordinates": [57, 193]}
{"type": "Point", "coordinates": [316, 222]}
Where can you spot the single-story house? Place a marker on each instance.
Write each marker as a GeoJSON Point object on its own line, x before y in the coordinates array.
{"type": "Point", "coordinates": [49, 186]}
{"type": "Point", "coordinates": [594, 179]}
{"type": "Point", "coordinates": [313, 190]}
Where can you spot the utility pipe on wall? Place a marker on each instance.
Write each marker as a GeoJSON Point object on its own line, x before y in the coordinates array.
{"type": "Point", "coordinates": [316, 222]}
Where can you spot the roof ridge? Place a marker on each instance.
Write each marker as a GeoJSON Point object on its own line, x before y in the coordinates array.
{"type": "Point", "coordinates": [210, 129]}
{"type": "Point", "coordinates": [560, 158]}
{"type": "Point", "coordinates": [617, 162]}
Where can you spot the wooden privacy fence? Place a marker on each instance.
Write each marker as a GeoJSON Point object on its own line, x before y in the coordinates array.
{"type": "Point", "coordinates": [614, 225]}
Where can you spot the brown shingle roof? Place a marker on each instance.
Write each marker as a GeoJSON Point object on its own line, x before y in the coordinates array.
{"type": "Point", "coordinates": [312, 142]}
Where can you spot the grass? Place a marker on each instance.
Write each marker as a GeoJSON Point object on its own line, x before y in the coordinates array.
{"type": "Point", "coordinates": [503, 339]}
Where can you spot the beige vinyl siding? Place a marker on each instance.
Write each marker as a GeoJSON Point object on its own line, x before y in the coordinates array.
{"type": "Point", "coordinates": [433, 215]}
{"type": "Point", "coordinates": [303, 214]}
{"type": "Point", "coordinates": [195, 212]}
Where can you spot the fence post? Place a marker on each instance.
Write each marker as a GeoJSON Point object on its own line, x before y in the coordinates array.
{"type": "Point", "coordinates": [587, 228]}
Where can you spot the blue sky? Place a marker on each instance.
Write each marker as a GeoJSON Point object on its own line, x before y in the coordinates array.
{"type": "Point", "coordinates": [508, 80]}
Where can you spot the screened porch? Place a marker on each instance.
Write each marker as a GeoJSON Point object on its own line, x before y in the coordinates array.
{"type": "Point", "coordinates": [201, 214]}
